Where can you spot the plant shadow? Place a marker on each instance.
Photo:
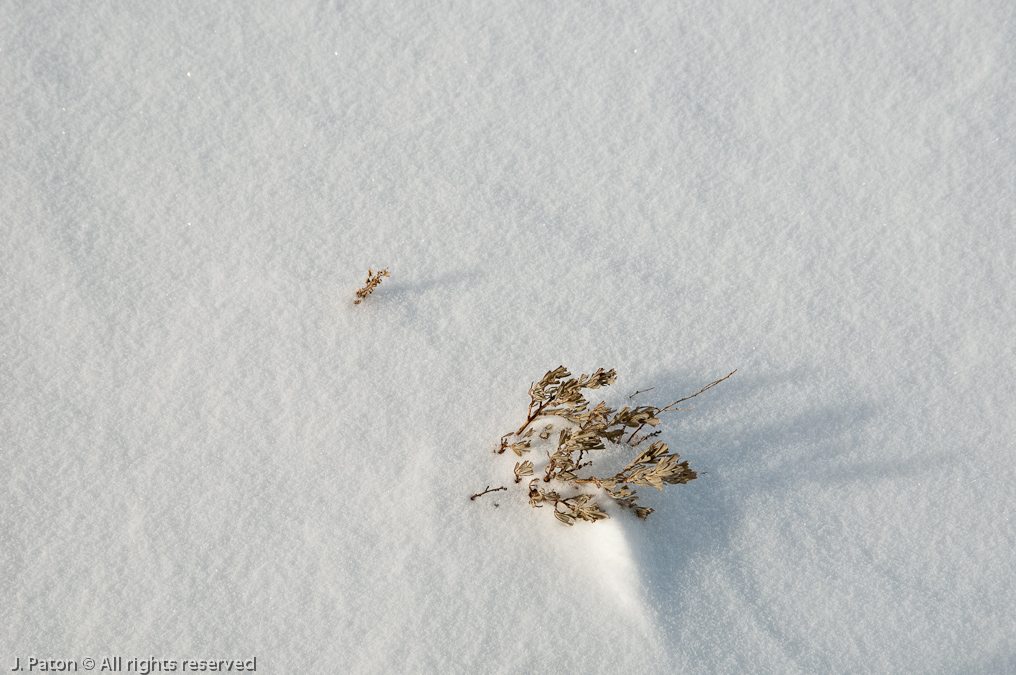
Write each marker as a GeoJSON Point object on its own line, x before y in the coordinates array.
{"type": "Point", "coordinates": [815, 443]}
{"type": "Point", "coordinates": [411, 291]}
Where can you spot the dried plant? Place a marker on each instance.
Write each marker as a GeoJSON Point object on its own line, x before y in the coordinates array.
{"type": "Point", "coordinates": [372, 282]}
{"type": "Point", "coordinates": [586, 431]}
{"type": "Point", "coordinates": [486, 491]}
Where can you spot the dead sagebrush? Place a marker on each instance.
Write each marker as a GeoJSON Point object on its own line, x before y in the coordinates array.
{"type": "Point", "coordinates": [372, 282]}
{"type": "Point", "coordinates": [585, 431]}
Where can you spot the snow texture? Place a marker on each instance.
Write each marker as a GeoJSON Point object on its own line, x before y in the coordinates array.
{"type": "Point", "coordinates": [209, 452]}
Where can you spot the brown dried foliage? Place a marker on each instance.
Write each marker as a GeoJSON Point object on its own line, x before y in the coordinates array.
{"type": "Point", "coordinates": [373, 279]}
{"type": "Point", "coordinates": [556, 396]}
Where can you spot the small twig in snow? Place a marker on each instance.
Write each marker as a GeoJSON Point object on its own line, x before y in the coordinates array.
{"type": "Point", "coordinates": [480, 494]}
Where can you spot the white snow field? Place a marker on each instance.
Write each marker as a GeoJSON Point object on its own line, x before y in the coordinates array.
{"type": "Point", "coordinates": [209, 453]}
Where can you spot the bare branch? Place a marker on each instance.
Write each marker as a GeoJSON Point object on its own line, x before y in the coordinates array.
{"type": "Point", "coordinates": [705, 388]}
{"type": "Point", "coordinates": [480, 494]}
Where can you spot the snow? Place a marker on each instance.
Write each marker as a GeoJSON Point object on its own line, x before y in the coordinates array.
{"type": "Point", "coordinates": [211, 453]}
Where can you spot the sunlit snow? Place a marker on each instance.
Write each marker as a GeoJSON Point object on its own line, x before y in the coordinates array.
{"type": "Point", "coordinates": [209, 452]}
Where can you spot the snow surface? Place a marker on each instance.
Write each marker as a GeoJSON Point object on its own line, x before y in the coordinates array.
{"type": "Point", "coordinates": [210, 452]}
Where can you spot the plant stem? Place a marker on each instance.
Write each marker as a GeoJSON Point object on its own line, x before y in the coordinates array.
{"type": "Point", "coordinates": [480, 494]}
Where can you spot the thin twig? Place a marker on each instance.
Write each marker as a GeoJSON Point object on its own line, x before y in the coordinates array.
{"type": "Point", "coordinates": [480, 494]}
{"type": "Point", "coordinates": [670, 407]}
{"type": "Point", "coordinates": [708, 386]}
{"type": "Point", "coordinates": [550, 467]}
{"type": "Point", "coordinates": [533, 416]}
{"type": "Point", "coordinates": [641, 391]}
{"type": "Point", "coordinates": [652, 435]}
